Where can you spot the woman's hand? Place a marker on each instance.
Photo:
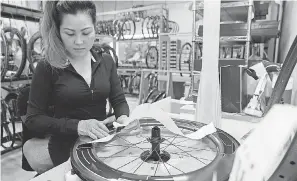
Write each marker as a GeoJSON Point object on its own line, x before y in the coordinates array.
{"type": "Point", "coordinates": [92, 128]}
{"type": "Point", "coordinates": [132, 127]}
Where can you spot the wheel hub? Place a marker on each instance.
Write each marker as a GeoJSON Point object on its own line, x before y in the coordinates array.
{"type": "Point", "coordinates": [155, 155]}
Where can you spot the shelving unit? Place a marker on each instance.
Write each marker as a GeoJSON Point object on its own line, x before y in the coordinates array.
{"type": "Point", "coordinates": [129, 10]}
{"type": "Point", "coordinates": [125, 69]}
{"type": "Point", "coordinates": [235, 13]}
{"type": "Point", "coordinates": [238, 27]}
{"type": "Point", "coordinates": [20, 13]}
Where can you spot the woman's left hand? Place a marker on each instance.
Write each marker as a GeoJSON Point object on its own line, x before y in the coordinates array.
{"type": "Point", "coordinates": [132, 127]}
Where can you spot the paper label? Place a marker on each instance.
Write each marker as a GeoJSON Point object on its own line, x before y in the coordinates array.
{"type": "Point", "coordinates": [157, 113]}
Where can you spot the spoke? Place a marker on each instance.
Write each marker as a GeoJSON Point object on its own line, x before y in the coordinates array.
{"type": "Point", "coordinates": [188, 151]}
{"type": "Point", "coordinates": [143, 137]}
{"type": "Point", "coordinates": [179, 141]}
{"type": "Point", "coordinates": [202, 149]}
{"type": "Point", "coordinates": [172, 141]}
{"type": "Point", "coordinates": [128, 163]}
{"type": "Point", "coordinates": [195, 149]}
{"type": "Point", "coordinates": [117, 153]}
{"type": "Point", "coordinates": [148, 157]}
{"type": "Point", "coordinates": [111, 145]}
{"type": "Point", "coordinates": [131, 143]}
{"type": "Point", "coordinates": [190, 155]}
{"type": "Point", "coordinates": [119, 156]}
{"type": "Point", "coordinates": [139, 166]}
{"type": "Point", "coordinates": [175, 168]}
{"type": "Point", "coordinates": [163, 163]}
{"type": "Point", "coordinates": [156, 168]}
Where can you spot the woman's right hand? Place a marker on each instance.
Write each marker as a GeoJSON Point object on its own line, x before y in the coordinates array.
{"type": "Point", "coordinates": [92, 128]}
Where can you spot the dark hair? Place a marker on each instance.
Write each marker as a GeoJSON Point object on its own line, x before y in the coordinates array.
{"type": "Point", "coordinates": [73, 7]}
{"type": "Point", "coordinates": [53, 49]}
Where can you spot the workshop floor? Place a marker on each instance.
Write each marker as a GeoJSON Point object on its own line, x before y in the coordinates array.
{"type": "Point", "coordinates": [11, 162]}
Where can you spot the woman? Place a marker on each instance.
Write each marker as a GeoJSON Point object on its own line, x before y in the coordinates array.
{"type": "Point", "coordinates": [75, 80]}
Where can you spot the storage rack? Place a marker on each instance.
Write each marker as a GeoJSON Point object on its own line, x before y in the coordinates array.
{"type": "Point", "coordinates": [163, 12]}
{"type": "Point", "coordinates": [20, 13]}
{"type": "Point", "coordinates": [237, 28]}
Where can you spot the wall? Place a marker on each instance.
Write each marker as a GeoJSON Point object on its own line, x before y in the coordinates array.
{"type": "Point", "coordinates": [289, 31]}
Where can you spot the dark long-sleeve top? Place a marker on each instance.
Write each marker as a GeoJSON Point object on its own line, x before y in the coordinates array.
{"type": "Point", "coordinates": [72, 100]}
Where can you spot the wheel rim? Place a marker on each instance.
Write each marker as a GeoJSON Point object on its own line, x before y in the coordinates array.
{"type": "Point", "coordinates": [4, 60]}
{"type": "Point", "coordinates": [124, 157]}
{"type": "Point", "coordinates": [185, 57]}
{"type": "Point", "coordinates": [152, 57]}
{"type": "Point", "coordinates": [34, 51]}
{"type": "Point", "coordinates": [16, 49]}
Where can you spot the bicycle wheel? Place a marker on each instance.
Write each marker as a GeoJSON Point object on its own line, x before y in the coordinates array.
{"type": "Point", "coordinates": [16, 52]}
{"type": "Point", "coordinates": [128, 29]}
{"type": "Point", "coordinates": [152, 56]}
{"type": "Point", "coordinates": [149, 27]}
{"type": "Point", "coordinates": [109, 50]}
{"type": "Point", "coordinates": [155, 26]}
{"type": "Point", "coordinates": [4, 54]}
{"type": "Point", "coordinates": [185, 57]}
{"type": "Point", "coordinates": [144, 29]}
{"type": "Point", "coordinates": [99, 27]}
{"type": "Point", "coordinates": [6, 133]}
{"type": "Point", "coordinates": [134, 84]}
{"type": "Point", "coordinates": [155, 154]}
{"type": "Point", "coordinates": [8, 120]}
{"type": "Point", "coordinates": [152, 81]}
{"type": "Point", "coordinates": [130, 84]}
{"type": "Point", "coordinates": [116, 29]}
{"type": "Point", "coordinates": [151, 96]}
{"type": "Point", "coordinates": [160, 96]}
{"type": "Point", "coordinates": [34, 56]}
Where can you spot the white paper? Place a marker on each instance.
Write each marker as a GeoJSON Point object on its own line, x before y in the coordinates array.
{"type": "Point", "coordinates": [156, 112]}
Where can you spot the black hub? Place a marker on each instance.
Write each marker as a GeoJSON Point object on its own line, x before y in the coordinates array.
{"type": "Point", "coordinates": [155, 155]}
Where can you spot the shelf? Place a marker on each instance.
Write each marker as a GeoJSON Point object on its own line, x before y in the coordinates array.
{"type": "Point", "coordinates": [20, 13]}
{"type": "Point", "coordinates": [261, 30]}
{"type": "Point", "coordinates": [200, 5]}
{"type": "Point", "coordinates": [16, 82]}
{"type": "Point", "coordinates": [139, 40]}
{"type": "Point", "coordinates": [131, 10]}
{"type": "Point", "coordinates": [176, 78]}
{"type": "Point", "coordinates": [238, 11]}
{"type": "Point", "coordinates": [230, 11]}
{"type": "Point", "coordinates": [176, 34]}
{"type": "Point", "coordinates": [231, 62]}
{"type": "Point", "coordinates": [226, 39]}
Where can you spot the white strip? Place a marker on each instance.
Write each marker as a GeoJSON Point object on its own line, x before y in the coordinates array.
{"type": "Point", "coordinates": [157, 113]}
{"type": "Point", "coordinates": [93, 59]}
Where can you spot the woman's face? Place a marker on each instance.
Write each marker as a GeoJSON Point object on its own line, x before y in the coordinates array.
{"type": "Point", "coordinates": [77, 34]}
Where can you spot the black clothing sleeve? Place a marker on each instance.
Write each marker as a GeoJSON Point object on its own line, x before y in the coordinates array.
{"type": "Point", "coordinates": [116, 96]}
{"type": "Point", "coordinates": [39, 100]}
